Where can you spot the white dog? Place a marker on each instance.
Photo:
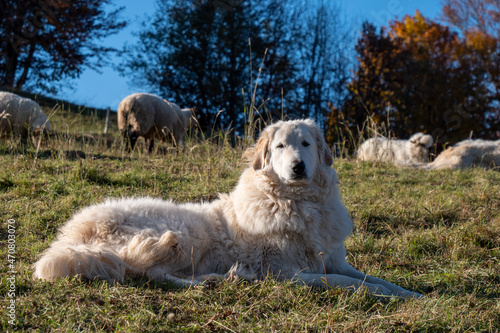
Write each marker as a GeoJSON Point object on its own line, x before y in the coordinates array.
{"type": "Point", "coordinates": [285, 217]}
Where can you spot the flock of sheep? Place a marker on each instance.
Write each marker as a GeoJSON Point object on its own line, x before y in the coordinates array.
{"type": "Point", "coordinates": [139, 115]}
{"type": "Point", "coordinates": [151, 117]}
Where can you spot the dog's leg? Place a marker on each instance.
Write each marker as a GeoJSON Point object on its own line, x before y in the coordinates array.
{"type": "Point", "coordinates": [158, 273]}
{"type": "Point", "coordinates": [235, 273]}
{"type": "Point", "coordinates": [395, 290]}
{"type": "Point", "coordinates": [210, 279]}
{"type": "Point", "coordinates": [337, 280]}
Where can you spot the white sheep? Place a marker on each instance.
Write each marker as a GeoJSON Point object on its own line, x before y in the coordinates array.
{"type": "Point", "coordinates": [466, 154]}
{"type": "Point", "coordinates": [151, 117]}
{"type": "Point", "coordinates": [476, 142]}
{"type": "Point", "coordinates": [399, 152]}
{"type": "Point", "coordinates": [20, 116]}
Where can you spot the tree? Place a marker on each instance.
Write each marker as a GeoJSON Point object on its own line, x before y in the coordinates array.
{"type": "Point", "coordinates": [419, 76]}
{"type": "Point", "coordinates": [443, 81]}
{"type": "Point", "coordinates": [316, 43]}
{"type": "Point", "coordinates": [470, 15]}
{"type": "Point", "coordinates": [197, 53]}
{"type": "Point", "coordinates": [478, 21]}
{"type": "Point", "coordinates": [325, 54]}
{"type": "Point", "coordinates": [44, 41]}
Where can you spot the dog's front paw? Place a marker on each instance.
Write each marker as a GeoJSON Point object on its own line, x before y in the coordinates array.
{"type": "Point", "coordinates": [377, 290]}
{"type": "Point", "coordinates": [408, 294]}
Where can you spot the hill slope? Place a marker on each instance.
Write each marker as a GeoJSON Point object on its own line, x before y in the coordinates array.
{"type": "Point", "coordinates": [437, 233]}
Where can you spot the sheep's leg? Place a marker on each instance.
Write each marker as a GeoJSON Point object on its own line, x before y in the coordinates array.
{"type": "Point", "coordinates": [178, 142]}
{"type": "Point", "coordinates": [124, 134]}
{"type": "Point", "coordinates": [132, 138]}
{"type": "Point", "coordinates": [151, 145]}
{"type": "Point", "coordinates": [181, 144]}
{"type": "Point", "coordinates": [20, 132]}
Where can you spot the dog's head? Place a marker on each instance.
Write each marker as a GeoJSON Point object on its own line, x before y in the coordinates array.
{"type": "Point", "coordinates": [291, 150]}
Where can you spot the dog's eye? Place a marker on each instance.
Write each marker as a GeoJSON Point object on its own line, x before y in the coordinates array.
{"type": "Point", "coordinates": [305, 143]}
{"type": "Point", "coordinates": [280, 146]}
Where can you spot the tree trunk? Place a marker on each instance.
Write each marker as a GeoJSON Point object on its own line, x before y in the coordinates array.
{"type": "Point", "coordinates": [26, 66]}
{"type": "Point", "coordinates": [11, 61]}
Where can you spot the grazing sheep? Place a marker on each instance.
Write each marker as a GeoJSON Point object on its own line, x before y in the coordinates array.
{"type": "Point", "coordinates": [20, 116]}
{"type": "Point", "coordinates": [466, 154]}
{"type": "Point", "coordinates": [399, 152]}
{"type": "Point", "coordinates": [152, 117]}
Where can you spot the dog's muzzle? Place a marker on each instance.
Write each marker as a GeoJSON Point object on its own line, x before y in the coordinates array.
{"type": "Point", "coordinates": [299, 170]}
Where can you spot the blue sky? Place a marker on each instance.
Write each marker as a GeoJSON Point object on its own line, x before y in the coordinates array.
{"type": "Point", "coordinates": [108, 88]}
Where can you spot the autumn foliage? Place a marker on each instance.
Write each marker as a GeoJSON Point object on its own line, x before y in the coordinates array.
{"type": "Point", "coordinates": [419, 75]}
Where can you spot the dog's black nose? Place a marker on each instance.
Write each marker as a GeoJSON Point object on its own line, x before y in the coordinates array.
{"type": "Point", "coordinates": [299, 168]}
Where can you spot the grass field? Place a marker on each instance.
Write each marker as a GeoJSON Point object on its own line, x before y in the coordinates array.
{"type": "Point", "coordinates": [437, 233]}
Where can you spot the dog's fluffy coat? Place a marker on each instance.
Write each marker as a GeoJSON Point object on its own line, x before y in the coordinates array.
{"type": "Point", "coordinates": [285, 217]}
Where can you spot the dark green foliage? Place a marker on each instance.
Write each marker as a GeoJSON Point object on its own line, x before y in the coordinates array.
{"type": "Point", "coordinates": [45, 41]}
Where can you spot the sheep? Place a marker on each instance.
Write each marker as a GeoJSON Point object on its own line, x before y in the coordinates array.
{"type": "Point", "coordinates": [20, 116]}
{"type": "Point", "coordinates": [466, 154]}
{"type": "Point", "coordinates": [476, 142]}
{"type": "Point", "coordinates": [399, 152]}
{"type": "Point", "coordinates": [151, 117]}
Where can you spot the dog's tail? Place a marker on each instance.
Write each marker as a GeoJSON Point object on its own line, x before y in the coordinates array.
{"type": "Point", "coordinates": [88, 261]}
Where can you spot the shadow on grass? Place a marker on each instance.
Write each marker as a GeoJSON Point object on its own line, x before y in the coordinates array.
{"type": "Point", "coordinates": [382, 225]}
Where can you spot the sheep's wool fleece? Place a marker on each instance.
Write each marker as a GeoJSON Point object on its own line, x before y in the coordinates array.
{"type": "Point", "coordinates": [16, 113]}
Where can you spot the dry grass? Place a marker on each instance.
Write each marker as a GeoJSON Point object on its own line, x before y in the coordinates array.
{"type": "Point", "coordinates": [436, 232]}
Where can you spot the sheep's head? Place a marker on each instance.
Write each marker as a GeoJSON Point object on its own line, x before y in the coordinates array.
{"type": "Point", "coordinates": [419, 145]}
{"type": "Point", "coordinates": [190, 117]}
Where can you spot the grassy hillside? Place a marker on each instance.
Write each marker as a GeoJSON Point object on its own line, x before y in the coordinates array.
{"type": "Point", "coordinates": [437, 233]}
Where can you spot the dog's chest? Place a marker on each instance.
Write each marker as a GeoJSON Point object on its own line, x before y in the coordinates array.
{"type": "Point", "coordinates": [291, 246]}
{"type": "Point", "coordinates": [280, 252]}
{"type": "Point", "coordinates": [279, 234]}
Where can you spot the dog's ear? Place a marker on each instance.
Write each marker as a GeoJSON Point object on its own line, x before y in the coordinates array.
{"type": "Point", "coordinates": [261, 153]}
{"type": "Point", "coordinates": [325, 154]}
{"type": "Point", "coordinates": [324, 151]}
{"type": "Point", "coordinates": [258, 155]}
